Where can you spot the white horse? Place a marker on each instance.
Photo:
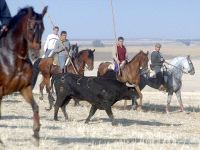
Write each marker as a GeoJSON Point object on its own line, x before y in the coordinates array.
{"type": "Point", "coordinates": [177, 67]}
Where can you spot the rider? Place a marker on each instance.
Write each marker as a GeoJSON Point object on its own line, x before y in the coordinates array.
{"type": "Point", "coordinates": [60, 48]}
{"type": "Point", "coordinates": [157, 61]}
{"type": "Point", "coordinates": [120, 56]}
{"type": "Point", "coordinates": [4, 15]}
{"type": "Point", "coordinates": [50, 42]}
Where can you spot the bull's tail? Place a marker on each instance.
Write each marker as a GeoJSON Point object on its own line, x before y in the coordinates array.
{"type": "Point", "coordinates": [35, 72]}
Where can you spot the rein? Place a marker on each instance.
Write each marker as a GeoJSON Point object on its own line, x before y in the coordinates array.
{"type": "Point", "coordinates": [175, 67]}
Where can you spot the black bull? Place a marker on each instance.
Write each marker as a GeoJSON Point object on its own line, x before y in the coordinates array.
{"type": "Point", "coordinates": [100, 92]}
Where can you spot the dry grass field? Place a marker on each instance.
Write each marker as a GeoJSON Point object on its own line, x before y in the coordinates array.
{"type": "Point", "coordinates": [150, 129]}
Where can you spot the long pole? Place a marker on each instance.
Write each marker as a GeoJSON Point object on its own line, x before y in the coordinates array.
{"type": "Point", "coordinates": [52, 23]}
{"type": "Point", "coordinates": [114, 31]}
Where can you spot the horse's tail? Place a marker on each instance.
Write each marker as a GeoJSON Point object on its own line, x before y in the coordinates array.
{"type": "Point", "coordinates": [35, 72]}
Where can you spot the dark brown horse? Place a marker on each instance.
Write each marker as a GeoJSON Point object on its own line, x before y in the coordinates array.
{"type": "Point", "coordinates": [131, 72]}
{"type": "Point", "coordinates": [84, 58]}
{"type": "Point", "coordinates": [25, 32]}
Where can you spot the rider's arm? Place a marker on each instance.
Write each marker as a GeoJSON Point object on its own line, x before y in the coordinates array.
{"type": "Point", "coordinates": [5, 13]}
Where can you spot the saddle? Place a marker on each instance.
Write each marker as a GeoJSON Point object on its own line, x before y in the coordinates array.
{"type": "Point", "coordinates": [165, 73]}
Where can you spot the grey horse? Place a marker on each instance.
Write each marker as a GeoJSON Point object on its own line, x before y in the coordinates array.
{"type": "Point", "coordinates": [173, 75]}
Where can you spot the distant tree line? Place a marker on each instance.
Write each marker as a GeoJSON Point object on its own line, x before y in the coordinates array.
{"type": "Point", "coordinates": [187, 42]}
{"type": "Point", "coordinates": [97, 43]}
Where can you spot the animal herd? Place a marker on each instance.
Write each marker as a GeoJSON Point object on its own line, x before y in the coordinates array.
{"type": "Point", "coordinates": [17, 73]}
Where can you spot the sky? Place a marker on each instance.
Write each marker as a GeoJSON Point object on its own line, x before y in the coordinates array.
{"type": "Point", "coordinates": [92, 19]}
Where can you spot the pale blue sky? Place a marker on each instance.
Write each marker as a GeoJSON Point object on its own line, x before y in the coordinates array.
{"type": "Point", "coordinates": [134, 18]}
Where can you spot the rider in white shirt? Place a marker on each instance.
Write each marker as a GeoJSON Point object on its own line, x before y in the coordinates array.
{"type": "Point", "coordinates": [50, 42]}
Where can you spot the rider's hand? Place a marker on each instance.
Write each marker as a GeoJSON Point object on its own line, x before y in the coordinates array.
{"type": "Point", "coordinates": [4, 28]}
{"type": "Point", "coordinates": [162, 60]}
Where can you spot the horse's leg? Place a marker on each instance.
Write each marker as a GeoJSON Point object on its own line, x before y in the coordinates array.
{"type": "Point", "coordinates": [169, 97]}
{"type": "Point", "coordinates": [110, 115]}
{"type": "Point", "coordinates": [42, 84]}
{"type": "Point", "coordinates": [125, 104]}
{"type": "Point", "coordinates": [178, 95]}
{"type": "Point", "coordinates": [28, 96]}
{"type": "Point", "coordinates": [140, 96]}
{"type": "Point", "coordinates": [48, 88]}
{"type": "Point", "coordinates": [2, 146]}
{"type": "Point", "coordinates": [134, 103]}
{"type": "Point", "coordinates": [51, 100]}
{"type": "Point", "coordinates": [0, 106]}
{"type": "Point", "coordinates": [93, 109]}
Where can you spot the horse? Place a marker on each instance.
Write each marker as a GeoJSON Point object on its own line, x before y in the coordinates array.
{"type": "Point", "coordinates": [177, 67]}
{"type": "Point", "coordinates": [84, 58]}
{"type": "Point", "coordinates": [24, 33]}
{"type": "Point", "coordinates": [131, 71]}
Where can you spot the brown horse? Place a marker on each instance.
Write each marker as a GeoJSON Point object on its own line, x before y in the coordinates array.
{"type": "Point", "coordinates": [131, 72]}
{"type": "Point", "coordinates": [25, 32]}
{"type": "Point", "coordinates": [84, 58]}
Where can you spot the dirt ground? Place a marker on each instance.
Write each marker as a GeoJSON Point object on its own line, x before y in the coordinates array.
{"type": "Point", "coordinates": [150, 129]}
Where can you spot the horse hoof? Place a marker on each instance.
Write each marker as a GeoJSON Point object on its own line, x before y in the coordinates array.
{"type": "Point", "coordinates": [181, 109]}
{"type": "Point", "coordinates": [87, 122]}
{"type": "Point", "coordinates": [48, 109]}
{"type": "Point", "coordinates": [134, 107]}
{"type": "Point", "coordinates": [56, 119]}
{"type": "Point", "coordinates": [36, 140]}
{"type": "Point", "coordinates": [114, 123]}
{"type": "Point", "coordinates": [167, 110]}
{"type": "Point", "coordinates": [139, 108]}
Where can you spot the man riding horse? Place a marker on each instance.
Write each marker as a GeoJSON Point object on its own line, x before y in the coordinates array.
{"type": "Point", "coordinates": [51, 41]}
{"type": "Point", "coordinates": [157, 61]}
{"type": "Point", "coordinates": [62, 50]}
{"type": "Point", "coordinates": [120, 56]}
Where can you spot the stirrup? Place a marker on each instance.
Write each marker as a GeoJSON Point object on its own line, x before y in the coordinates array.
{"type": "Point", "coordinates": [130, 85]}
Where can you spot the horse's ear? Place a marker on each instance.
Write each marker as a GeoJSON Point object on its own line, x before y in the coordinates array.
{"type": "Point", "coordinates": [44, 11]}
{"type": "Point", "coordinates": [93, 51]}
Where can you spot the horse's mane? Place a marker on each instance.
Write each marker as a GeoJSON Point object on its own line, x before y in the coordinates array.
{"type": "Point", "coordinates": [81, 52]}
{"type": "Point", "coordinates": [141, 52]}
{"type": "Point", "coordinates": [15, 20]}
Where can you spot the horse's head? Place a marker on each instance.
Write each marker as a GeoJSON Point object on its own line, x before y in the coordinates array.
{"type": "Point", "coordinates": [35, 28]}
{"type": "Point", "coordinates": [75, 48]}
{"type": "Point", "coordinates": [143, 58]}
{"type": "Point", "coordinates": [188, 66]}
{"type": "Point", "coordinates": [88, 58]}
{"type": "Point", "coordinates": [27, 28]}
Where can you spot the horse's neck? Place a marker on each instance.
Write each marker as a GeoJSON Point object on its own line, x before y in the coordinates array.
{"type": "Point", "coordinates": [79, 63]}
{"type": "Point", "coordinates": [177, 73]}
{"type": "Point", "coordinates": [14, 42]}
{"type": "Point", "coordinates": [134, 64]}
{"type": "Point", "coordinates": [177, 70]}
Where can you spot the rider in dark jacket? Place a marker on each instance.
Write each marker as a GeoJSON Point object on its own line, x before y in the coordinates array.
{"type": "Point", "coordinates": [4, 15]}
{"type": "Point", "coordinates": [157, 61]}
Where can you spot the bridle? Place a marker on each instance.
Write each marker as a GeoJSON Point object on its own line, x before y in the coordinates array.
{"type": "Point", "coordinates": [34, 29]}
